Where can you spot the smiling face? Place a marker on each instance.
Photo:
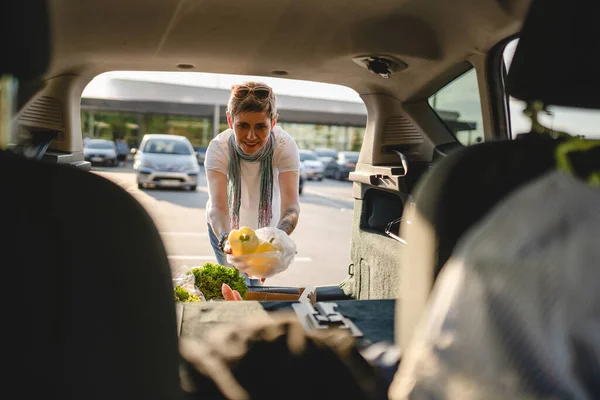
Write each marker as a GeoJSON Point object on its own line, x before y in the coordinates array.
{"type": "Point", "coordinates": [251, 129]}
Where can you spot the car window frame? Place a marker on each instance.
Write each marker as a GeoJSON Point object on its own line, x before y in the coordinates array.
{"type": "Point", "coordinates": [496, 97]}
{"type": "Point", "coordinates": [499, 98]}
{"type": "Point", "coordinates": [448, 82]}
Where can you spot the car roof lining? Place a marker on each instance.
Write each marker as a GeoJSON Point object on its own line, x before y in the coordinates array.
{"type": "Point", "coordinates": [312, 40]}
{"type": "Point", "coordinates": [437, 39]}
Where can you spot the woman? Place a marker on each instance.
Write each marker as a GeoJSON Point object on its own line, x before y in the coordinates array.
{"type": "Point", "coordinates": [252, 169]}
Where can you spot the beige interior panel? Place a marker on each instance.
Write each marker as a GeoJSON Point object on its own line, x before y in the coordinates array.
{"type": "Point", "coordinates": [57, 106]}
{"type": "Point", "coordinates": [312, 39]}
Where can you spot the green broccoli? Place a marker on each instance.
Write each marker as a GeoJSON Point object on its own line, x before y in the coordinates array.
{"type": "Point", "coordinates": [182, 295]}
{"type": "Point", "coordinates": [210, 277]}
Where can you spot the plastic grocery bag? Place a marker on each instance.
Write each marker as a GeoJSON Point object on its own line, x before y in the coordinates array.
{"type": "Point", "coordinates": [266, 265]}
{"type": "Point", "coordinates": [184, 278]}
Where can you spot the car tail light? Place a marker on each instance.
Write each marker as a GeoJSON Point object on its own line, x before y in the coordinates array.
{"type": "Point", "coordinates": [350, 165]}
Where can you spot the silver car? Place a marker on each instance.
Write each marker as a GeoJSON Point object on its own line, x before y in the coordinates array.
{"type": "Point", "coordinates": [100, 151]}
{"type": "Point", "coordinates": [313, 166]}
{"type": "Point", "coordinates": [166, 161]}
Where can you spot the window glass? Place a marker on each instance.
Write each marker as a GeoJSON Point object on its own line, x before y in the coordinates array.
{"type": "Point", "coordinates": [165, 146]}
{"type": "Point", "coordinates": [326, 153]}
{"type": "Point", "coordinates": [100, 145]}
{"type": "Point", "coordinates": [458, 104]}
{"type": "Point", "coordinates": [351, 156]}
{"type": "Point", "coordinates": [304, 156]}
{"type": "Point", "coordinates": [575, 121]}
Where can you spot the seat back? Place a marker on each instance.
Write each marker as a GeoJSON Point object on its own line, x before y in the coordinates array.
{"type": "Point", "coordinates": [452, 198]}
{"type": "Point", "coordinates": [27, 54]}
{"type": "Point", "coordinates": [94, 310]}
{"type": "Point", "coordinates": [88, 306]}
{"type": "Point", "coordinates": [469, 183]}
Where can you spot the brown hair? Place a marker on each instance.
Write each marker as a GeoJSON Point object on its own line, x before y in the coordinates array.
{"type": "Point", "coordinates": [252, 104]}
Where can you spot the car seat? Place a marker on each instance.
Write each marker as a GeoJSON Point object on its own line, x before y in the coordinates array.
{"type": "Point", "coordinates": [88, 301]}
{"type": "Point", "coordinates": [462, 188]}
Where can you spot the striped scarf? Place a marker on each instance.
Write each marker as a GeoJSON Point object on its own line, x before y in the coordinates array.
{"type": "Point", "coordinates": [234, 187]}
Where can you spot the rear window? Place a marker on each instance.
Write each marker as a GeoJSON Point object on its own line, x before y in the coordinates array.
{"type": "Point", "coordinates": [100, 145]}
{"type": "Point", "coordinates": [326, 153]}
{"type": "Point", "coordinates": [459, 106]}
{"type": "Point", "coordinates": [166, 146]}
{"type": "Point", "coordinates": [352, 157]}
{"type": "Point", "coordinates": [308, 156]}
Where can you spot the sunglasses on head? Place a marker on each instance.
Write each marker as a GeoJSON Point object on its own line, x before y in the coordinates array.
{"type": "Point", "coordinates": [260, 92]}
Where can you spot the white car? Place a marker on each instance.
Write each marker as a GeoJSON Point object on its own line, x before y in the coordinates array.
{"type": "Point", "coordinates": [100, 151]}
{"type": "Point", "coordinates": [166, 161]}
{"type": "Point", "coordinates": [313, 166]}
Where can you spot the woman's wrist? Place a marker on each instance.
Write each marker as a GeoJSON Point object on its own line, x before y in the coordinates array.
{"type": "Point", "coordinates": [288, 220]}
{"type": "Point", "coordinates": [222, 238]}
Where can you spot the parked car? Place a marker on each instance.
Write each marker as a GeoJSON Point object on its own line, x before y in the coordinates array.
{"type": "Point", "coordinates": [313, 166]}
{"type": "Point", "coordinates": [341, 167]}
{"type": "Point", "coordinates": [200, 154]}
{"type": "Point", "coordinates": [123, 150]}
{"type": "Point", "coordinates": [302, 179]}
{"type": "Point", "coordinates": [166, 161]}
{"type": "Point", "coordinates": [326, 155]}
{"type": "Point", "coordinates": [100, 151]}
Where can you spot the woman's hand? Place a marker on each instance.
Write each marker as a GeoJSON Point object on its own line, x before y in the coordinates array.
{"type": "Point", "coordinates": [227, 247]}
{"type": "Point", "coordinates": [230, 294]}
{"type": "Point", "coordinates": [243, 266]}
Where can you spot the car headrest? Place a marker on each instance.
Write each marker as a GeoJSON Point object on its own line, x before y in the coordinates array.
{"type": "Point", "coordinates": [555, 60]}
{"type": "Point", "coordinates": [26, 48]}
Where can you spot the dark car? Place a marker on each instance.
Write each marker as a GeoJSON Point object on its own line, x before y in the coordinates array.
{"type": "Point", "coordinates": [341, 167]}
{"type": "Point", "coordinates": [123, 150]}
{"type": "Point", "coordinates": [326, 154]}
{"type": "Point", "coordinates": [327, 157]}
{"type": "Point", "coordinates": [200, 154]}
{"type": "Point", "coordinates": [302, 179]}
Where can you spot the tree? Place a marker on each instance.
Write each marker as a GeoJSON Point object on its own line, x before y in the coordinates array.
{"type": "Point", "coordinates": [357, 138]}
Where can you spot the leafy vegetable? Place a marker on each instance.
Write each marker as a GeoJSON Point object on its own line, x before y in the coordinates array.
{"type": "Point", "coordinates": [182, 295]}
{"type": "Point", "coordinates": [211, 277]}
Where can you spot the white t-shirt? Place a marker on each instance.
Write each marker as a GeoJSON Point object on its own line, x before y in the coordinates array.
{"type": "Point", "coordinates": [285, 158]}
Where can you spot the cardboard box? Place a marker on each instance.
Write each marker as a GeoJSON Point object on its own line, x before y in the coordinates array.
{"type": "Point", "coordinates": [274, 296]}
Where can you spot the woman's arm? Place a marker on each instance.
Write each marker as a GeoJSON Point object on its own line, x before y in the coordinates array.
{"type": "Point", "coordinates": [218, 214]}
{"type": "Point", "coordinates": [290, 204]}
